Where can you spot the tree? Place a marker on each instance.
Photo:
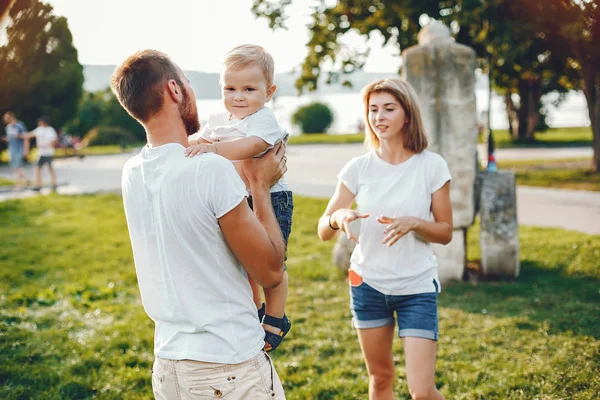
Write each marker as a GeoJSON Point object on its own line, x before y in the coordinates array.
{"type": "Point", "coordinates": [521, 62]}
{"type": "Point", "coordinates": [39, 70]}
{"type": "Point", "coordinates": [101, 109]}
{"type": "Point", "coordinates": [573, 29]}
{"type": "Point", "coordinates": [313, 118]}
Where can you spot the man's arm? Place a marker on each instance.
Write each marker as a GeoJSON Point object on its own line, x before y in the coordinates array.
{"type": "Point", "coordinates": [255, 238]}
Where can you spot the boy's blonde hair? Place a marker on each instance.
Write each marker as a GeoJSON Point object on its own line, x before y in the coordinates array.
{"type": "Point", "coordinates": [415, 138]}
{"type": "Point", "coordinates": [247, 54]}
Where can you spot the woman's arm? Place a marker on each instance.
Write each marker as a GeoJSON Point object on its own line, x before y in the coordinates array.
{"type": "Point", "coordinates": [438, 231]}
{"type": "Point", "coordinates": [338, 214]}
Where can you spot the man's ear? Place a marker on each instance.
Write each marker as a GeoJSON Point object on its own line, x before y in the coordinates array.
{"type": "Point", "coordinates": [174, 91]}
{"type": "Point", "coordinates": [270, 92]}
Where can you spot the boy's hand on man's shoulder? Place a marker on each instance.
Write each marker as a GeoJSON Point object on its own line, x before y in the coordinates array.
{"type": "Point", "coordinates": [195, 149]}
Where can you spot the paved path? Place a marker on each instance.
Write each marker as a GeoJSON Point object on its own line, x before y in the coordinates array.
{"type": "Point", "coordinates": [313, 169]}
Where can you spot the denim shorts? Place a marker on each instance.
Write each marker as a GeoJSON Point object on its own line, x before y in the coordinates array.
{"type": "Point", "coordinates": [283, 206]}
{"type": "Point", "coordinates": [416, 313]}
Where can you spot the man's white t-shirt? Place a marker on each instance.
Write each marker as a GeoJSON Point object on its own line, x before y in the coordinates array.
{"type": "Point", "coordinates": [192, 285]}
{"type": "Point", "coordinates": [44, 136]}
{"type": "Point", "coordinates": [409, 266]}
{"type": "Point", "coordinates": [222, 127]}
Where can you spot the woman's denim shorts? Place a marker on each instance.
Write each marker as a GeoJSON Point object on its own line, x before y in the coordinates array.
{"type": "Point", "coordinates": [416, 313]}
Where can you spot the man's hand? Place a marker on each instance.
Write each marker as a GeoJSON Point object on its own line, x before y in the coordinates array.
{"type": "Point", "coordinates": [268, 169]}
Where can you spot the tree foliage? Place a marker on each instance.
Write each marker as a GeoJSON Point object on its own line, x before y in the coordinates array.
{"type": "Point", "coordinates": [521, 62]}
{"type": "Point", "coordinates": [39, 69]}
{"type": "Point", "coordinates": [101, 109]}
{"type": "Point", "coordinates": [313, 118]}
{"type": "Point", "coordinates": [572, 28]}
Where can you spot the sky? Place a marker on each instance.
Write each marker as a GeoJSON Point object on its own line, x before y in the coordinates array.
{"type": "Point", "coordinates": [196, 33]}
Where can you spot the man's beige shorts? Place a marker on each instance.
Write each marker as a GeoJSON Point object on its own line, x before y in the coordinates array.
{"type": "Point", "coordinates": [186, 380]}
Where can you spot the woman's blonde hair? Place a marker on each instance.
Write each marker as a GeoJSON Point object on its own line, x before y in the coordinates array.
{"type": "Point", "coordinates": [415, 138]}
{"type": "Point", "coordinates": [250, 54]}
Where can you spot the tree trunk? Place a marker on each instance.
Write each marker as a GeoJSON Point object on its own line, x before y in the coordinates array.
{"type": "Point", "coordinates": [591, 89]}
{"type": "Point", "coordinates": [530, 93]}
{"type": "Point", "coordinates": [511, 113]}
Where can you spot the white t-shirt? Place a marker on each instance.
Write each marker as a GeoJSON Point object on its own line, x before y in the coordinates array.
{"type": "Point", "coordinates": [409, 266]}
{"type": "Point", "coordinates": [192, 285]}
{"type": "Point", "coordinates": [44, 136]}
{"type": "Point", "coordinates": [222, 127]}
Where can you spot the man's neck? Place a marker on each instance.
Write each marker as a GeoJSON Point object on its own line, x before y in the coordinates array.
{"type": "Point", "coordinates": [164, 130]}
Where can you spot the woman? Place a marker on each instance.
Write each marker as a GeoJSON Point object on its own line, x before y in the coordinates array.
{"type": "Point", "coordinates": [396, 186]}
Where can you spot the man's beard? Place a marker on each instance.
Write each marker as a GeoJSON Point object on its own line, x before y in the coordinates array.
{"type": "Point", "coordinates": [189, 114]}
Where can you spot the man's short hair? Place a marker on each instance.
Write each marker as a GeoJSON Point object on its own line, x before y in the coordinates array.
{"type": "Point", "coordinates": [248, 54]}
{"type": "Point", "coordinates": [138, 82]}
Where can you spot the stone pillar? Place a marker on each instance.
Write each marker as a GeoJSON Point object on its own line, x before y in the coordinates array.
{"type": "Point", "coordinates": [443, 75]}
{"type": "Point", "coordinates": [499, 238]}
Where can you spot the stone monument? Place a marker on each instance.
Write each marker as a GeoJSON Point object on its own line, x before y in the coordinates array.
{"type": "Point", "coordinates": [443, 75]}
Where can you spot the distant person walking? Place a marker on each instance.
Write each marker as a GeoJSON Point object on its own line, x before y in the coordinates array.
{"type": "Point", "coordinates": [18, 147]}
{"type": "Point", "coordinates": [46, 139]}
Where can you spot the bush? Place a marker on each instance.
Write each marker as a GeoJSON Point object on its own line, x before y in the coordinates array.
{"type": "Point", "coordinates": [313, 118]}
{"type": "Point", "coordinates": [107, 135]}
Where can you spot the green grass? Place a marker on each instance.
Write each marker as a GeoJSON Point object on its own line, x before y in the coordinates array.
{"type": "Point", "coordinates": [88, 151]}
{"type": "Point", "coordinates": [72, 325]}
{"type": "Point", "coordinates": [574, 173]}
{"type": "Point", "coordinates": [554, 137]}
{"type": "Point", "coordinates": [325, 138]}
{"type": "Point", "coordinates": [6, 182]}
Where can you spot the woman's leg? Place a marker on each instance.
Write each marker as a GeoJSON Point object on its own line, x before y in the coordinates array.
{"type": "Point", "coordinates": [420, 357]}
{"type": "Point", "coordinates": [376, 345]}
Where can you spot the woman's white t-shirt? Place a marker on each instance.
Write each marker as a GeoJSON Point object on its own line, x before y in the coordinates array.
{"type": "Point", "coordinates": [409, 266]}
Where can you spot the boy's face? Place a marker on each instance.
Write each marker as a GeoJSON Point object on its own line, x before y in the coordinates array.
{"type": "Point", "coordinates": [245, 90]}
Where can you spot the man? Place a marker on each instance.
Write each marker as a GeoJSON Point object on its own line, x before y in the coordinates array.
{"type": "Point", "coordinates": [17, 147]}
{"type": "Point", "coordinates": [194, 241]}
{"type": "Point", "coordinates": [45, 139]}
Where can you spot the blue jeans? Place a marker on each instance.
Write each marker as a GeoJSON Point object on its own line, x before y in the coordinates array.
{"type": "Point", "coordinates": [416, 313]}
{"type": "Point", "coordinates": [283, 206]}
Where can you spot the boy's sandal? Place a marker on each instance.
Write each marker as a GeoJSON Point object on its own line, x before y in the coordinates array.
{"type": "Point", "coordinates": [261, 312]}
{"type": "Point", "coordinates": [272, 340]}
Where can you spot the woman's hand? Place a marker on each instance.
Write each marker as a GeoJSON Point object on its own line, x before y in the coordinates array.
{"type": "Point", "coordinates": [397, 227]}
{"type": "Point", "coordinates": [343, 217]}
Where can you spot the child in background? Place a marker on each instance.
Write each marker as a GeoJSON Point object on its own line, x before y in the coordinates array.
{"type": "Point", "coordinates": [248, 129]}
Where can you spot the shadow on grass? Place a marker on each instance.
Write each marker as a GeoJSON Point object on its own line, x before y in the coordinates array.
{"type": "Point", "coordinates": [544, 144]}
{"type": "Point", "coordinates": [565, 303]}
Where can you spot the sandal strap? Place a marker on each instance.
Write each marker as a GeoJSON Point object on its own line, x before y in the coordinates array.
{"type": "Point", "coordinates": [274, 321]}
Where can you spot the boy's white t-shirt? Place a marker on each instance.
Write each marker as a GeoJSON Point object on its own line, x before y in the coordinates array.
{"type": "Point", "coordinates": [221, 127]}
{"type": "Point", "coordinates": [409, 266]}
{"type": "Point", "coordinates": [192, 285]}
{"type": "Point", "coordinates": [44, 136]}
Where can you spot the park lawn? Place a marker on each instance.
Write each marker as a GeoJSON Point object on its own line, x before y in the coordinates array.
{"type": "Point", "coordinates": [73, 326]}
{"type": "Point", "coordinates": [553, 137]}
{"type": "Point", "coordinates": [327, 138]}
{"type": "Point", "coordinates": [564, 174]}
{"type": "Point", "coordinates": [6, 182]}
{"type": "Point", "coordinates": [88, 151]}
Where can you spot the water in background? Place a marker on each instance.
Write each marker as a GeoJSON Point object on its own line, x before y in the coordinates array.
{"type": "Point", "coordinates": [349, 112]}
